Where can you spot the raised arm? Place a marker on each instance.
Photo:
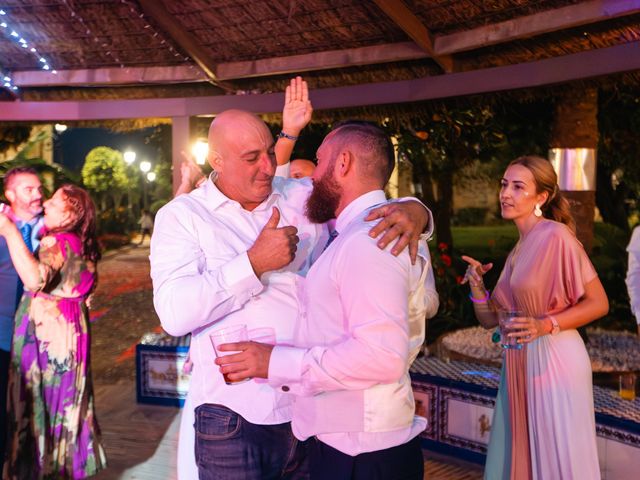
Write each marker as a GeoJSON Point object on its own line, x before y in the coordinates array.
{"type": "Point", "coordinates": [296, 114]}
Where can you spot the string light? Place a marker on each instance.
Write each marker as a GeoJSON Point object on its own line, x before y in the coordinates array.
{"type": "Point", "coordinates": [13, 34]}
{"type": "Point", "coordinates": [90, 33]}
{"type": "Point", "coordinates": [163, 40]}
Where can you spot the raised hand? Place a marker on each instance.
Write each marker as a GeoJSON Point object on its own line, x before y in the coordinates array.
{"type": "Point", "coordinates": [475, 272]}
{"type": "Point", "coordinates": [275, 247]}
{"type": "Point", "coordinates": [297, 110]}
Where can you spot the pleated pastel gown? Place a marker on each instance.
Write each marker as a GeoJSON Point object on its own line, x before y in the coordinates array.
{"type": "Point", "coordinates": [544, 422]}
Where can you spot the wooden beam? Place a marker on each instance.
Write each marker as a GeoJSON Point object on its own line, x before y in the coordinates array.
{"type": "Point", "coordinates": [537, 24]}
{"type": "Point", "coordinates": [578, 66]}
{"type": "Point", "coordinates": [187, 42]}
{"type": "Point", "coordinates": [531, 25]}
{"type": "Point", "coordinates": [109, 76]}
{"type": "Point", "coordinates": [390, 52]}
{"type": "Point", "coordinates": [398, 11]}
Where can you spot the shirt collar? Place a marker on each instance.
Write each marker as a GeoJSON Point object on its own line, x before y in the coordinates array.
{"type": "Point", "coordinates": [214, 198]}
{"type": "Point", "coordinates": [356, 207]}
{"type": "Point", "coordinates": [33, 222]}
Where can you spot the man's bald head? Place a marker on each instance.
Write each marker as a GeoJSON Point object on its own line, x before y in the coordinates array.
{"type": "Point", "coordinates": [232, 127]}
{"type": "Point", "coordinates": [300, 168]}
{"type": "Point", "coordinates": [241, 153]}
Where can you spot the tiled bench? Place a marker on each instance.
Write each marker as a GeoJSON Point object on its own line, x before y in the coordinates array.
{"type": "Point", "coordinates": [458, 399]}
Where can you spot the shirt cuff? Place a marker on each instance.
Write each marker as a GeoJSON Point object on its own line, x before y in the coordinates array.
{"type": "Point", "coordinates": [285, 366]}
{"type": "Point", "coordinates": [283, 170]}
{"type": "Point", "coordinates": [239, 276]}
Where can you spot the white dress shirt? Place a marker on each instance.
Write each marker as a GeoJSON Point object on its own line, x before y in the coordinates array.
{"type": "Point", "coordinates": [633, 273]}
{"type": "Point", "coordinates": [203, 280]}
{"type": "Point", "coordinates": [360, 327]}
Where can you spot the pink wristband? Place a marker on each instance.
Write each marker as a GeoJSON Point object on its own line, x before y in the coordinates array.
{"type": "Point", "coordinates": [480, 300]}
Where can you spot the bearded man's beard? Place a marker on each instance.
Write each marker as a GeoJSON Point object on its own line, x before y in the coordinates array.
{"type": "Point", "coordinates": [323, 202]}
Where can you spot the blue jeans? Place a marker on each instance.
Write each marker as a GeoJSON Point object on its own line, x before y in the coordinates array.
{"type": "Point", "coordinates": [230, 448]}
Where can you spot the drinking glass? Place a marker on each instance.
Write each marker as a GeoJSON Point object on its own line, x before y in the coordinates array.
{"type": "Point", "coordinates": [232, 334]}
{"type": "Point", "coordinates": [263, 335]}
{"type": "Point", "coordinates": [628, 386]}
{"type": "Point", "coordinates": [505, 318]}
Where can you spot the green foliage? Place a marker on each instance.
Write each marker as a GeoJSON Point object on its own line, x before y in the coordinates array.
{"type": "Point", "coordinates": [609, 257]}
{"type": "Point", "coordinates": [470, 216]}
{"type": "Point", "coordinates": [105, 170]}
{"type": "Point", "coordinates": [52, 174]}
{"type": "Point", "coordinates": [618, 175]}
{"type": "Point", "coordinates": [114, 221]}
{"type": "Point", "coordinates": [13, 136]}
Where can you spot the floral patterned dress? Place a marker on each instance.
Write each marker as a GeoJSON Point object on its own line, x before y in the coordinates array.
{"type": "Point", "coordinates": [52, 429]}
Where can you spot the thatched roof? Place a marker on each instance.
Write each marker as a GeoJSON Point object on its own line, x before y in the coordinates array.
{"type": "Point", "coordinates": [123, 49]}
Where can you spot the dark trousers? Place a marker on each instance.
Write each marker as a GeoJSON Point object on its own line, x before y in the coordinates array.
{"type": "Point", "coordinates": [403, 462]}
{"type": "Point", "coordinates": [230, 448]}
{"type": "Point", "coordinates": [4, 380]}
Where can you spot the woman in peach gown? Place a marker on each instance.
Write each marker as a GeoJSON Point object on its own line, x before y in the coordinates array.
{"type": "Point", "coordinates": [544, 423]}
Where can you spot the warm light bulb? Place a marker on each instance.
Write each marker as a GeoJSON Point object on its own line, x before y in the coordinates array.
{"type": "Point", "coordinates": [200, 150]}
{"type": "Point", "coordinates": [129, 157]}
{"type": "Point", "coordinates": [60, 127]}
{"type": "Point", "coordinates": [151, 176]}
{"type": "Point", "coordinates": [145, 166]}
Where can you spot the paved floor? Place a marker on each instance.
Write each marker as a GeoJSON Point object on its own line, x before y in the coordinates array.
{"type": "Point", "coordinates": [141, 440]}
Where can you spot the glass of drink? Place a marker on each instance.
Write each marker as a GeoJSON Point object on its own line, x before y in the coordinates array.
{"type": "Point", "coordinates": [628, 386]}
{"type": "Point", "coordinates": [263, 335]}
{"type": "Point", "coordinates": [232, 334]}
{"type": "Point", "coordinates": [505, 317]}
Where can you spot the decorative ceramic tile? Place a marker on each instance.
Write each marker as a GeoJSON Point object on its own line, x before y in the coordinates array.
{"type": "Point", "coordinates": [468, 372]}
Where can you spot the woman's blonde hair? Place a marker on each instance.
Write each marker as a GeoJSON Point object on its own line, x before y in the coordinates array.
{"type": "Point", "coordinates": [556, 207]}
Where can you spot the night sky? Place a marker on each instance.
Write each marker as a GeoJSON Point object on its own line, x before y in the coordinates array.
{"type": "Point", "coordinates": [72, 146]}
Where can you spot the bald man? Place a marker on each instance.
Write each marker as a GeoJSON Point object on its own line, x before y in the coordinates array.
{"type": "Point", "coordinates": [228, 254]}
{"type": "Point", "coordinates": [300, 168]}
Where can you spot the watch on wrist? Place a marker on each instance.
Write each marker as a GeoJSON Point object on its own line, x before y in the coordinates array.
{"type": "Point", "coordinates": [555, 327]}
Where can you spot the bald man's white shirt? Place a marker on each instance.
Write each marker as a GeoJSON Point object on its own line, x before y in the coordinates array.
{"type": "Point", "coordinates": [203, 280]}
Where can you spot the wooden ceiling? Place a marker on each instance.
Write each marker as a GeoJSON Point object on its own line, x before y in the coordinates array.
{"type": "Point", "coordinates": [353, 52]}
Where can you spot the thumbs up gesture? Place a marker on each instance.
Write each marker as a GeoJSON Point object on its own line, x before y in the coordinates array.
{"type": "Point", "coordinates": [275, 247]}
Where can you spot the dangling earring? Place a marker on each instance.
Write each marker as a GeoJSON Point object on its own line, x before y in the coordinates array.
{"type": "Point", "coordinates": [536, 211]}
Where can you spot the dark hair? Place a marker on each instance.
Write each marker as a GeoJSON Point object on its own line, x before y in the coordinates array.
{"type": "Point", "coordinates": [83, 221]}
{"type": "Point", "coordinates": [14, 172]}
{"type": "Point", "coordinates": [556, 207]}
{"type": "Point", "coordinates": [374, 141]}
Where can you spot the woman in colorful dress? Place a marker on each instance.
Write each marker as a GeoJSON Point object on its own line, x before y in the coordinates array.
{"type": "Point", "coordinates": [52, 429]}
{"type": "Point", "coordinates": [544, 423]}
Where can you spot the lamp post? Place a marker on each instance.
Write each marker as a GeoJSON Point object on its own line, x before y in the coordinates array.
{"type": "Point", "coordinates": [145, 166]}
{"type": "Point", "coordinates": [129, 158]}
